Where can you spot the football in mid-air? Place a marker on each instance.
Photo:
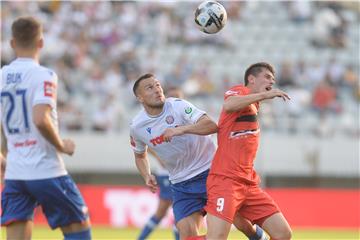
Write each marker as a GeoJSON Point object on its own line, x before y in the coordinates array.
{"type": "Point", "coordinates": [210, 17]}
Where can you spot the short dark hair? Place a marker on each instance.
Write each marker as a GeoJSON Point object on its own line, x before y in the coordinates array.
{"type": "Point", "coordinates": [26, 31]}
{"type": "Point", "coordinates": [137, 82]}
{"type": "Point", "coordinates": [256, 68]}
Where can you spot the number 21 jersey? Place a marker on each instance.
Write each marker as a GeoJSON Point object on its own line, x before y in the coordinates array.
{"type": "Point", "coordinates": [30, 156]}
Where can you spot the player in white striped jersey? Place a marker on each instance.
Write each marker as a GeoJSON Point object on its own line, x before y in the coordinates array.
{"type": "Point", "coordinates": [178, 133]}
{"type": "Point", "coordinates": [35, 173]}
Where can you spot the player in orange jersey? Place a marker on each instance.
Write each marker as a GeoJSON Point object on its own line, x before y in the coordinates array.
{"type": "Point", "coordinates": [234, 195]}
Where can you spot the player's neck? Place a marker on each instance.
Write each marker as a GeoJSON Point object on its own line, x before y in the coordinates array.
{"type": "Point", "coordinates": [153, 111]}
{"type": "Point", "coordinates": [28, 54]}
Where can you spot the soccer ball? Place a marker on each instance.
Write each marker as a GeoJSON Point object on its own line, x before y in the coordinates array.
{"type": "Point", "coordinates": [210, 17]}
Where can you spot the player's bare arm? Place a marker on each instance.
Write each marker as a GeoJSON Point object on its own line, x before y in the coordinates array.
{"type": "Point", "coordinates": [143, 166]}
{"type": "Point", "coordinates": [204, 126]}
{"type": "Point", "coordinates": [42, 120]}
{"type": "Point", "coordinates": [236, 103]}
{"type": "Point", "coordinates": [3, 153]}
{"type": "Point", "coordinates": [3, 143]}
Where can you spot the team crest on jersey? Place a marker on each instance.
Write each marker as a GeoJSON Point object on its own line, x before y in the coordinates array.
{"type": "Point", "coordinates": [169, 119]}
{"type": "Point", "coordinates": [188, 110]}
{"type": "Point", "coordinates": [148, 130]}
{"type": "Point", "coordinates": [49, 89]}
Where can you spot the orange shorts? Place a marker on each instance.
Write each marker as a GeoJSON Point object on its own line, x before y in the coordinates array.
{"type": "Point", "coordinates": [227, 196]}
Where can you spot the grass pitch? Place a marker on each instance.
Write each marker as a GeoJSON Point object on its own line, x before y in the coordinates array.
{"type": "Point", "coordinates": [99, 233]}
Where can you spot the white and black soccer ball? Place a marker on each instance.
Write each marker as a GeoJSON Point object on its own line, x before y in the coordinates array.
{"type": "Point", "coordinates": [210, 17]}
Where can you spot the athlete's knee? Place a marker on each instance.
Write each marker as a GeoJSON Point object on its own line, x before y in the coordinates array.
{"type": "Point", "coordinates": [216, 236]}
{"type": "Point", "coordinates": [77, 227]}
{"type": "Point", "coordinates": [285, 234]}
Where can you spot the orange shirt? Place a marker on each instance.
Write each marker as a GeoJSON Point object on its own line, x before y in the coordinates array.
{"type": "Point", "coordinates": [238, 140]}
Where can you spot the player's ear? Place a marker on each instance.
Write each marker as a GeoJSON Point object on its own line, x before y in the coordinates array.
{"type": "Point", "coordinates": [140, 98]}
{"type": "Point", "coordinates": [251, 79]}
{"type": "Point", "coordinates": [12, 43]}
{"type": "Point", "coordinates": [40, 43]}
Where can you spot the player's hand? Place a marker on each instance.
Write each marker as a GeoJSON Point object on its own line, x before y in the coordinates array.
{"type": "Point", "coordinates": [150, 181]}
{"type": "Point", "coordinates": [277, 93]}
{"type": "Point", "coordinates": [69, 147]}
{"type": "Point", "coordinates": [172, 132]}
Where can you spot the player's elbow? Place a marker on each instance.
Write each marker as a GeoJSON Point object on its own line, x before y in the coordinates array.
{"type": "Point", "coordinates": [213, 127]}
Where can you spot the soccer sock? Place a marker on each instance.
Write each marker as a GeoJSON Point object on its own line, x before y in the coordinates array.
{"type": "Point", "coordinates": [83, 235]}
{"type": "Point", "coordinates": [176, 233]}
{"type": "Point", "coordinates": [259, 235]}
{"type": "Point", "coordinates": [149, 227]}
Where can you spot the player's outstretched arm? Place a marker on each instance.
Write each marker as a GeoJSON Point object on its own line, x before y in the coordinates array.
{"type": "Point", "coordinates": [238, 102]}
{"type": "Point", "coordinates": [204, 126]}
{"type": "Point", "coordinates": [143, 166]}
{"type": "Point", "coordinates": [42, 120]}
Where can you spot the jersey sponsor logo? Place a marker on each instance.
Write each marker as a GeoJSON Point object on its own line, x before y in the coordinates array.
{"type": "Point", "coordinates": [230, 92]}
{"type": "Point", "coordinates": [148, 130]}
{"type": "Point", "coordinates": [188, 110]}
{"type": "Point", "coordinates": [49, 89]}
{"type": "Point", "coordinates": [25, 144]}
{"type": "Point", "coordinates": [169, 119]}
{"type": "Point", "coordinates": [132, 142]}
{"type": "Point", "coordinates": [158, 140]}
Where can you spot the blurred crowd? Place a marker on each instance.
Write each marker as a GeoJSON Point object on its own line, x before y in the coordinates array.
{"type": "Point", "coordinates": [96, 49]}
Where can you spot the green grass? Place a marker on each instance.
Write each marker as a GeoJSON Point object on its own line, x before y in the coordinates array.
{"type": "Point", "coordinates": [128, 233]}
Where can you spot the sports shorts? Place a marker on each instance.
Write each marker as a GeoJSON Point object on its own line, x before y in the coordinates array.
{"type": "Point", "coordinates": [189, 196]}
{"type": "Point", "coordinates": [59, 198]}
{"type": "Point", "coordinates": [227, 196]}
{"type": "Point", "coordinates": [164, 186]}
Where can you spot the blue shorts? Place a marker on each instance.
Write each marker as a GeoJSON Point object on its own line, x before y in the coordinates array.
{"type": "Point", "coordinates": [59, 198]}
{"type": "Point", "coordinates": [189, 196]}
{"type": "Point", "coordinates": [164, 185]}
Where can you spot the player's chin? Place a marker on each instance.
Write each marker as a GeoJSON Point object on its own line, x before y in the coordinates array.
{"type": "Point", "coordinates": [158, 103]}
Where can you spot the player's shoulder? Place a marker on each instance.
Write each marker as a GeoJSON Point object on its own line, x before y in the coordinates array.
{"type": "Point", "coordinates": [177, 104]}
{"type": "Point", "coordinates": [5, 68]}
{"type": "Point", "coordinates": [174, 101]}
{"type": "Point", "coordinates": [138, 119]}
{"type": "Point", "coordinates": [45, 72]}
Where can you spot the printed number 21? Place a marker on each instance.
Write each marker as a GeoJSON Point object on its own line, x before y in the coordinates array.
{"type": "Point", "coordinates": [11, 97]}
{"type": "Point", "coordinates": [220, 204]}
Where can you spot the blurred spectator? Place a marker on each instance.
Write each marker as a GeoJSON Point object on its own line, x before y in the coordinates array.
{"type": "Point", "coordinates": [335, 71]}
{"type": "Point", "coordinates": [324, 97]}
{"type": "Point", "coordinates": [179, 74]}
{"type": "Point", "coordinates": [99, 48]}
{"type": "Point", "coordinates": [329, 28]}
{"type": "Point", "coordinates": [285, 77]}
{"type": "Point", "coordinates": [199, 84]}
{"type": "Point", "coordinates": [299, 10]}
{"type": "Point", "coordinates": [105, 117]}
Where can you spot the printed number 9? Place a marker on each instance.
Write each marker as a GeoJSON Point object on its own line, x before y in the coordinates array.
{"type": "Point", "coordinates": [220, 204]}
